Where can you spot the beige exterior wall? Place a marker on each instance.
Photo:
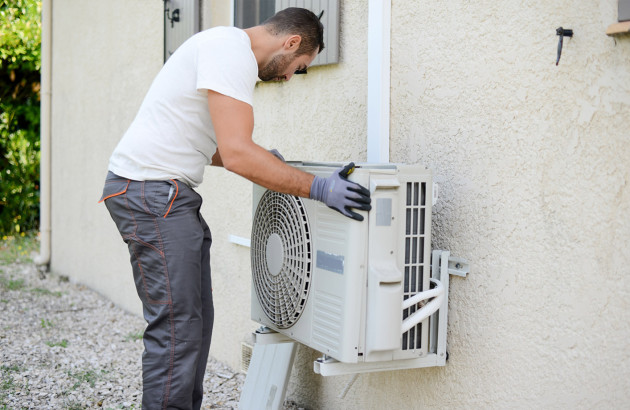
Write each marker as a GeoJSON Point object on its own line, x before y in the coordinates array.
{"type": "Point", "coordinates": [105, 55]}
{"type": "Point", "coordinates": [532, 162]}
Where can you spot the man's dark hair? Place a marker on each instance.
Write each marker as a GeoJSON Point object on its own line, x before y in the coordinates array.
{"type": "Point", "coordinates": [298, 21]}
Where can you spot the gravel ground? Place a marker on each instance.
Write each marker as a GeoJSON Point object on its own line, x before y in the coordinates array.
{"type": "Point", "coordinates": [63, 346]}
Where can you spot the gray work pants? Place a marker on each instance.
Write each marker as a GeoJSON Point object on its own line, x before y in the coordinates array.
{"type": "Point", "coordinates": [169, 244]}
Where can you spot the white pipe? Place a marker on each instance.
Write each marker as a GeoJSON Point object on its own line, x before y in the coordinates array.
{"type": "Point", "coordinates": [45, 132]}
{"type": "Point", "coordinates": [379, 49]}
{"type": "Point", "coordinates": [232, 9]}
{"type": "Point", "coordinates": [427, 310]}
{"type": "Point", "coordinates": [239, 240]}
{"type": "Point", "coordinates": [427, 294]}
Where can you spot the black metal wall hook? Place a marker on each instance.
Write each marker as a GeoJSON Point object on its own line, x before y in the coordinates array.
{"type": "Point", "coordinates": [173, 18]}
{"type": "Point", "coordinates": [562, 33]}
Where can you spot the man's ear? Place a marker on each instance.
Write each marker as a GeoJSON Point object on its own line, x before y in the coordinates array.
{"type": "Point", "coordinates": [293, 42]}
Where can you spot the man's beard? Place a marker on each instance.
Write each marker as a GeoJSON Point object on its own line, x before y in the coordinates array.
{"type": "Point", "coordinates": [274, 69]}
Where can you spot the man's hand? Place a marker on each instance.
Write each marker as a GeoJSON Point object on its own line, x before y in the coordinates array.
{"type": "Point", "coordinates": [340, 194]}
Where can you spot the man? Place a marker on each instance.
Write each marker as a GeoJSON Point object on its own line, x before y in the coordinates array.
{"type": "Point", "coordinates": [198, 111]}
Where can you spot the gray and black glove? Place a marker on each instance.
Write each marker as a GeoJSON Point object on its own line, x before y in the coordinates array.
{"type": "Point", "coordinates": [340, 194]}
{"type": "Point", "coordinates": [277, 154]}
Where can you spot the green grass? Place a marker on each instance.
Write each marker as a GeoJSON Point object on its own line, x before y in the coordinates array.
{"type": "Point", "coordinates": [18, 248]}
{"type": "Point", "coordinates": [46, 323]}
{"type": "Point", "coordinates": [63, 343]}
{"type": "Point", "coordinates": [46, 292]}
{"type": "Point", "coordinates": [133, 336]}
{"type": "Point", "coordinates": [7, 383]}
{"type": "Point", "coordinates": [11, 284]}
{"type": "Point", "coordinates": [86, 376]}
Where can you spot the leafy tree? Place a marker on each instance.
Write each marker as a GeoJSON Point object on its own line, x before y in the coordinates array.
{"type": "Point", "coordinates": [20, 63]}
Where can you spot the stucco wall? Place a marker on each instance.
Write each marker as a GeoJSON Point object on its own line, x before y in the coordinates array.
{"type": "Point", "coordinates": [532, 165]}
{"type": "Point", "coordinates": [531, 160]}
{"type": "Point", "coordinates": [105, 55]}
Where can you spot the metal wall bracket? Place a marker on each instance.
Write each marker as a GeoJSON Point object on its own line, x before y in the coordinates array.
{"type": "Point", "coordinates": [458, 266]}
{"type": "Point", "coordinates": [442, 266]}
{"type": "Point", "coordinates": [265, 336]}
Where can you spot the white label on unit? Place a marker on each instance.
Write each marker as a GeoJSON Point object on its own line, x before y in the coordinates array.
{"type": "Point", "coordinates": [383, 212]}
{"type": "Point", "coordinates": [330, 262]}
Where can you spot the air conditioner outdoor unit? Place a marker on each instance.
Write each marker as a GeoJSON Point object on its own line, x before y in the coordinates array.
{"type": "Point", "coordinates": [342, 287]}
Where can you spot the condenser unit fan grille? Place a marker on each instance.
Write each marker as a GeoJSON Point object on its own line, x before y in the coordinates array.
{"type": "Point", "coordinates": [281, 257]}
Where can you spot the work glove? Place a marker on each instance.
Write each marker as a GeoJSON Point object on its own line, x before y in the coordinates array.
{"type": "Point", "coordinates": [277, 154]}
{"type": "Point", "coordinates": [340, 194]}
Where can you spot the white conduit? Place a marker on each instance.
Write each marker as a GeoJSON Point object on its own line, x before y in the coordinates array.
{"type": "Point", "coordinates": [45, 135]}
{"type": "Point", "coordinates": [379, 49]}
{"type": "Point", "coordinates": [427, 310]}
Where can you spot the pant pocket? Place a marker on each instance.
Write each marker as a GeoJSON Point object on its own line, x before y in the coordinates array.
{"type": "Point", "coordinates": [188, 330]}
{"type": "Point", "coordinates": [115, 199]}
{"type": "Point", "coordinates": [159, 196]}
{"type": "Point", "coordinates": [114, 187]}
{"type": "Point", "coordinates": [150, 274]}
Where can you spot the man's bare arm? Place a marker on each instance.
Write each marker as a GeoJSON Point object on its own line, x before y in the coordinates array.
{"type": "Point", "coordinates": [216, 160]}
{"type": "Point", "coordinates": [233, 122]}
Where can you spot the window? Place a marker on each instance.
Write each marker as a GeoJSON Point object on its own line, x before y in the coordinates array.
{"type": "Point", "coordinates": [624, 10]}
{"type": "Point", "coordinates": [181, 20]}
{"type": "Point", "coordinates": [249, 13]}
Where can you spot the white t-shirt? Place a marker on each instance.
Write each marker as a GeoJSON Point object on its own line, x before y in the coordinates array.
{"type": "Point", "coordinates": [172, 136]}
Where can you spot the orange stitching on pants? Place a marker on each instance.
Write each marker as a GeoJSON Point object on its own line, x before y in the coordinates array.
{"type": "Point", "coordinates": [117, 193]}
{"type": "Point", "coordinates": [144, 282]}
{"type": "Point", "coordinates": [171, 313]}
{"type": "Point", "coordinates": [176, 192]}
{"type": "Point", "coordinates": [171, 358]}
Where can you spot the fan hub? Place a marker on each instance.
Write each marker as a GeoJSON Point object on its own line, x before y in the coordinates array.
{"type": "Point", "coordinates": [274, 254]}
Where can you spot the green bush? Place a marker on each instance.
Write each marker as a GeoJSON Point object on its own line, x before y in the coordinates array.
{"type": "Point", "coordinates": [20, 63]}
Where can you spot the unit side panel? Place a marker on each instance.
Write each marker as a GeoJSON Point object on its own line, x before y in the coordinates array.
{"type": "Point", "coordinates": [384, 283]}
{"type": "Point", "coordinates": [338, 282]}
